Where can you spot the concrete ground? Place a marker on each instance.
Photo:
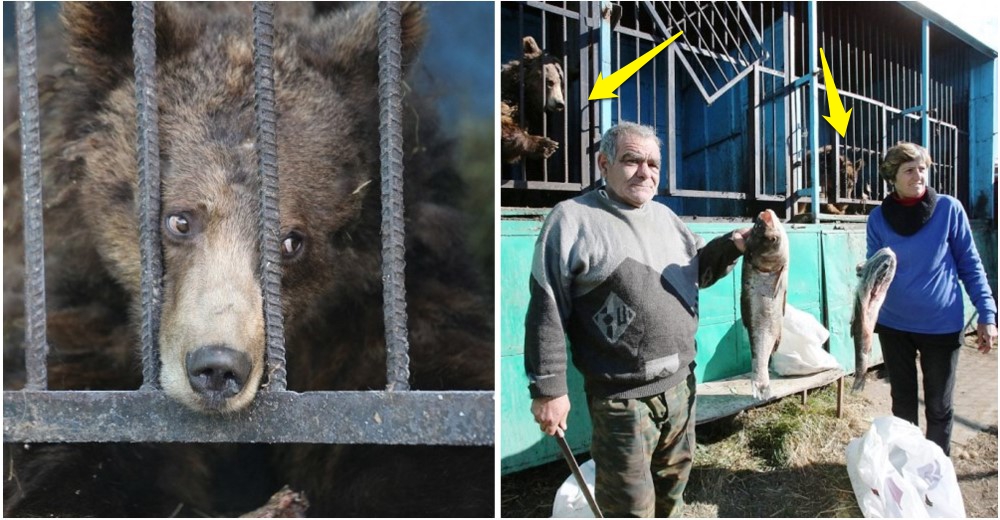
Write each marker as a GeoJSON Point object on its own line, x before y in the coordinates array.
{"type": "Point", "coordinates": [975, 395]}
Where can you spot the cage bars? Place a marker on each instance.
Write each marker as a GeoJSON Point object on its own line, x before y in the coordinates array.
{"type": "Point", "coordinates": [31, 171]}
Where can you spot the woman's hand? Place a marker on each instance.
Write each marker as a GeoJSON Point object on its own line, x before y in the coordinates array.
{"type": "Point", "coordinates": [987, 333]}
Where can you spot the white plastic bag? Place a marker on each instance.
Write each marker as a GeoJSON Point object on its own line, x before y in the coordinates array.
{"type": "Point", "coordinates": [570, 502]}
{"type": "Point", "coordinates": [897, 473]}
{"type": "Point", "coordinates": [801, 350]}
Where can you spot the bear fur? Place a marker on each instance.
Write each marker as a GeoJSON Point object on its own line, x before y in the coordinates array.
{"type": "Point", "coordinates": [828, 172]}
{"type": "Point", "coordinates": [542, 78]}
{"type": "Point", "coordinates": [326, 78]}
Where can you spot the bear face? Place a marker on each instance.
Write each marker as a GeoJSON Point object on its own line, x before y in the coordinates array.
{"type": "Point", "coordinates": [210, 188]}
{"type": "Point", "coordinates": [542, 77]}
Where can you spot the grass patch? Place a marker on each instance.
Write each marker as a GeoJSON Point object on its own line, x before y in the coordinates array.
{"type": "Point", "coordinates": [782, 459]}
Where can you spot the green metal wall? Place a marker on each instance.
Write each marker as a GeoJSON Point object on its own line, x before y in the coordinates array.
{"type": "Point", "coordinates": [821, 280]}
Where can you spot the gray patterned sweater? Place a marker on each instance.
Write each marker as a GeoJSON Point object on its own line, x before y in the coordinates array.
{"type": "Point", "coordinates": [622, 283]}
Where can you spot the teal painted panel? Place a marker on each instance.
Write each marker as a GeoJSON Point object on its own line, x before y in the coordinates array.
{"type": "Point", "coordinates": [805, 285]}
{"type": "Point", "coordinates": [723, 351]}
{"type": "Point", "coordinates": [844, 250]}
{"type": "Point", "coordinates": [522, 444]}
{"type": "Point", "coordinates": [716, 303]}
{"type": "Point", "coordinates": [516, 249]}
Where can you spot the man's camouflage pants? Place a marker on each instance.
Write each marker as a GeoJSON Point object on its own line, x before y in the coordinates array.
{"type": "Point", "coordinates": [643, 449]}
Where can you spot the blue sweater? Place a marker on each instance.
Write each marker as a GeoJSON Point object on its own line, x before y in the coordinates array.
{"type": "Point", "coordinates": [924, 296]}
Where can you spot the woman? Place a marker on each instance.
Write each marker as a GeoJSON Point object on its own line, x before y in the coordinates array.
{"type": "Point", "coordinates": [923, 311]}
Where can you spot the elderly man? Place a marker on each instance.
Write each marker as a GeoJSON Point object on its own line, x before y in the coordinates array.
{"type": "Point", "coordinates": [619, 274]}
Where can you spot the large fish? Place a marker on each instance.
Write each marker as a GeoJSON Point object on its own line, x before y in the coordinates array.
{"type": "Point", "coordinates": [765, 288]}
{"type": "Point", "coordinates": [875, 276]}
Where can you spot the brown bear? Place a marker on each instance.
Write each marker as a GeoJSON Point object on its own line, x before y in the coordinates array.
{"type": "Point", "coordinates": [828, 171]}
{"type": "Point", "coordinates": [326, 78]}
{"type": "Point", "coordinates": [541, 77]}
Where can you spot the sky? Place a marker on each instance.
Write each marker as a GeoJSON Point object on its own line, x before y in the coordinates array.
{"type": "Point", "coordinates": [976, 18]}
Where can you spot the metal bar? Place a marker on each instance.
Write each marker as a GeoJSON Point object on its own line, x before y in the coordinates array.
{"type": "Point", "coordinates": [589, 119]}
{"type": "Point", "coordinates": [560, 11]}
{"type": "Point", "coordinates": [545, 96]}
{"type": "Point", "coordinates": [542, 185]}
{"type": "Point", "coordinates": [746, 16]}
{"type": "Point", "coordinates": [736, 40]}
{"type": "Point", "coordinates": [522, 115]}
{"type": "Point", "coordinates": [267, 163]}
{"type": "Point", "coordinates": [616, 60]}
{"type": "Point", "coordinates": [148, 157]}
{"type": "Point", "coordinates": [566, 114]}
{"type": "Point", "coordinates": [575, 469]}
{"type": "Point", "coordinates": [605, 62]}
{"type": "Point", "coordinates": [738, 195]}
{"type": "Point", "coordinates": [638, 83]}
{"type": "Point", "coordinates": [672, 139]}
{"type": "Point", "coordinates": [701, 38]}
{"type": "Point", "coordinates": [393, 234]}
{"type": "Point", "coordinates": [925, 80]}
{"type": "Point", "coordinates": [459, 418]}
{"type": "Point", "coordinates": [715, 56]}
{"type": "Point", "coordinates": [813, 110]}
{"type": "Point", "coordinates": [736, 17]}
{"type": "Point", "coordinates": [36, 346]}
{"type": "Point", "coordinates": [755, 110]}
{"type": "Point", "coordinates": [651, 9]}
{"type": "Point", "coordinates": [714, 36]}
{"type": "Point", "coordinates": [954, 164]}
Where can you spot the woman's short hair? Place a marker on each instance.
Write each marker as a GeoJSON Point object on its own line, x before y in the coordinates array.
{"type": "Point", "coordinates": [899, 154]}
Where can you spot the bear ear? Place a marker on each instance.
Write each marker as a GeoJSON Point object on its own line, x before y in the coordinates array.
{"type": "Point", "coordinates": [531, 48]}
{"type": "Point", "coordinates": [343, 44]}
{"type": "Point", "coordinates": [99, 37]}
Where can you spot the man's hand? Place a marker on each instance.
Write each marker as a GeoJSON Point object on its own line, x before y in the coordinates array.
{"type": "Point", "coordinates": [987, 333]}
{"type": "Point", "coordinates": [550, 413]}
{"type": "Point", "coordinates": [740, 238]}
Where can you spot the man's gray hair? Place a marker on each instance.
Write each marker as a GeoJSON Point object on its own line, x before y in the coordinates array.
{"type": "Point", "coordinates": [609, 143]}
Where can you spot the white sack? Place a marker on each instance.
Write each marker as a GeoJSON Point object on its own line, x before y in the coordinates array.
{"type": "Point", "coordinates": [897, 473]}
{"type": "Point", "coordinates": [801, 349]}
{"type": "Point", "coordinates": [570, 502]}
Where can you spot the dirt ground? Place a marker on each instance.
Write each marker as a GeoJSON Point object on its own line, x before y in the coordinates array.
{"type": "Point", "coordinates": [785, 459]}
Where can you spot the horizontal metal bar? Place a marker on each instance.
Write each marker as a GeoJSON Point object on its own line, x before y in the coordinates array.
{"type": "Point", "coordinates": [417, 417]}
{"type": "Point", "coordinates": [706, 194]}
{"type": "Point", "coordinates": [542, 185]}
{"type": "Point", "coordinates": [827, 217]}
{"type": "Point", "coordinates": [637, 33]}
{"type": "Point", "coordinates": [715, 55]}
{"type": "Point", "coordinates": [542, 6]}
{"type": "Point", "coordinates": [803, 80]}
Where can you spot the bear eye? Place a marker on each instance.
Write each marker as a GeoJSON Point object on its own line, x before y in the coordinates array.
{"type": "Point", "coordinates": [291, 245]}
{"type": "Point", "coordinates": [178, 224]}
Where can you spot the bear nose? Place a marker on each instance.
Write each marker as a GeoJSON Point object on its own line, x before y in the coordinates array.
{"type": "Point", "coordinates": [217, 372]}
{"type": "Point", "coordinates": [560, 105]}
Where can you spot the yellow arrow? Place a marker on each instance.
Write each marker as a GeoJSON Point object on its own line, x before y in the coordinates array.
{"type": "Point", "coordinates": [604, 88]}
{"type": "Point", "coordinates": [838, 119]}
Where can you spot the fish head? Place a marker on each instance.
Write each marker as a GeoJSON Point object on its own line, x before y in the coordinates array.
{"type": "Point", "coordinates": [883, 268]}
{"type": "Point", "coordinates": [767, 242]}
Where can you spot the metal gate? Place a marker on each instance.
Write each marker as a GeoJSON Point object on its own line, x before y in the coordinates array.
{"type": "Point", "coordinates": [730, 99]}
{"type": "Point", "coordinates": [878, 74]}
{"type": "Point", "coordinates": [394, 416]}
